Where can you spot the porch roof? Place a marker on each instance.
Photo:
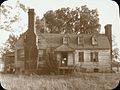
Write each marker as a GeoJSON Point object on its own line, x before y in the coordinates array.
{"type": "Point", "coordinates": [64, 48]}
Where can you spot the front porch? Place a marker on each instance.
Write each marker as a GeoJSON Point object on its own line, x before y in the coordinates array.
{"type": "Point", "coordinates": [65, 58]}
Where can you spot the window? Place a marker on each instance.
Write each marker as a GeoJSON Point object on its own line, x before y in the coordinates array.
{"type": "Point", "coordinates": [64, 59]}
{"type": "Point", "coordinates": [38, 40]}
{"type": "Point", "coordinates": [94, 56]}
{"type": "Point", "coordinates": [20, 54]}
{"type": "Point", "coordinates": [80, 40]}
{"type": "Point", "coordinates": [81, 56]}
{"type": "Point", "coordinates": [94, 40]}
{"type": "Point", "coordinates": [65, 39]}
{"type": "Point", "coordinates": [40, 58]}
{"type": "Point", "coordinates": [96, 70]}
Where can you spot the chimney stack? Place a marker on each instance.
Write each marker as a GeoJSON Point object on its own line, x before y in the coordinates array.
{"type": "Point", "coordinates": [108, 31]}
{"type": "Point", "coordinates": [31, 19]}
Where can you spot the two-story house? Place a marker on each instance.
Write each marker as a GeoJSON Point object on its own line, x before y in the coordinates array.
{"type": "Point", "coordinates": [89, 51]}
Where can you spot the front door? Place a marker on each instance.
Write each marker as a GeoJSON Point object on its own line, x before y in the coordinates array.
{"type": "Point", "coordinates": [64, 58]}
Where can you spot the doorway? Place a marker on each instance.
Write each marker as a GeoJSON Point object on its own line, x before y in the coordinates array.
{"type": "Point", "coordinates": [64, 60]}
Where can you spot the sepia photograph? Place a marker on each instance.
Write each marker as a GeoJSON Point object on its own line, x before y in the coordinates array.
{"type": "Point", "coordinates": [59, 45]}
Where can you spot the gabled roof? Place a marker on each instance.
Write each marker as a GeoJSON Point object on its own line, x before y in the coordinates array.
{"type": "Point", "coordinates": [63, 48]}
{"type": "Point", "coordinates": [20, 41]}
{"type": "Point", "coordinates": [56, 40]}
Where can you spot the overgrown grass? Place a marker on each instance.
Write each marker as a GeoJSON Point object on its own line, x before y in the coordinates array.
{"type": "Point", "coordinates": [81, 81]}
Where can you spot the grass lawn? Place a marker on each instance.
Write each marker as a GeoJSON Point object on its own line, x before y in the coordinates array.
{"type": "Point", "coordinates": [82, 81]}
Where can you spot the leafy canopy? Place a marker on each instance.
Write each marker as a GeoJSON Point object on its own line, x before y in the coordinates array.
{"type": "Point", "coordinates": [9, 45]}
{"type": "Point", "coordinates": [67, 20]}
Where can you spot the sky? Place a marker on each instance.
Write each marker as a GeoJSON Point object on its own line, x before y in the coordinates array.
{"type": "Point", "coordinates": [108, 13]}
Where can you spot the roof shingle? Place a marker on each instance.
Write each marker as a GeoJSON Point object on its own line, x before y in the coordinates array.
{"type": "Point", "coordinates": [56, 40]}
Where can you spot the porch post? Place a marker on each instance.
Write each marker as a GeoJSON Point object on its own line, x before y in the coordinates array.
{"type": "Point", "coordinates": [74, 58]}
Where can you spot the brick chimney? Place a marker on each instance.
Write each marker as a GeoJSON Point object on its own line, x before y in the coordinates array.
{"type": "Point", "coordinates": [31, 19]}
{"type": "Point", "coordinates": [30, 48]}
{"type": "Point", "coordinates": [108, 31]}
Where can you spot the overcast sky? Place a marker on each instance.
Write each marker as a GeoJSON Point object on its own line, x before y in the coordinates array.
{"type": "Point", "coordinates": [108, 13]}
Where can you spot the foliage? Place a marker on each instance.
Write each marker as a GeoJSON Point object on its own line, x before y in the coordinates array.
{"type": "Point", "coordinates": [39, 25]}
{"type": "Point", "coordinates": [72, 21]}
{"type": "Point", "coordinates": [50, 61]}
{"type": "Point", "coordinates": [115, 49]}
{"type": "Point", "coordinates": [83, 81]}
{"type": "Point", "coordinates": [115, 52]}
{"type": "Point", "coordinates": [10, 15]}
{"type": "Point", "coordinates": [9, 45]}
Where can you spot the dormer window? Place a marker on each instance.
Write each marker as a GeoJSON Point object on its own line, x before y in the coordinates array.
{"type": "Point", "coordinates": [80, 40]}
{"type": "Point", "coordinates": [94, 40]}
{"type": "Point", "coordinates": [65, 39]}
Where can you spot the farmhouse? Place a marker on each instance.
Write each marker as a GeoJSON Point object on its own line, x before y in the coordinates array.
{"type": "Point", "coordinates": [89, 51]}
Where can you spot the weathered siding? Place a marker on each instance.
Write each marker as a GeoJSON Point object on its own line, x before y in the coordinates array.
{"type": "Point", "coordinates": [40, 63]}
{"type": "Point", "coordinates": [40, 53]}
{"type": "Point", "coordinates": [42, 44]}
{"type": "Point", "coordinates": [19, 45]}
{"type": "Point", "coordinates": [19, 64]}
{"type": "Point", "coordinates": [103, 63]}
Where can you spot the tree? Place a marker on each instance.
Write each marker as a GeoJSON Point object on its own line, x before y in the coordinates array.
{"type": "Point", "coordinates": [39, 25]}
{"type": "Point", "coordinates": [115, 49]}
{"type": "Point", "coordinates": [10, 15]}
{"type": "Point", "coordinates": [69, 20]}
{"type": "Point", "coordinates": [9, 45]}
{"type": "Point", "coordinates": [51, 64]}
{"type": "Point", "coordinates": [115, 52]}
{"type": "Point", "coordinates": [115, 55]}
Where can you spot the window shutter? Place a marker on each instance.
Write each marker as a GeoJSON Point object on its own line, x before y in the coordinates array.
{"type": "Point", "coordinates": [91, 56]}
{"type": "Point", "coordinates": [81, 56]}
{"type": "Point", "coordinates": [96, 56]}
